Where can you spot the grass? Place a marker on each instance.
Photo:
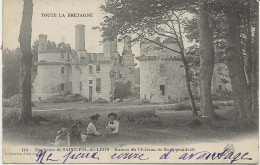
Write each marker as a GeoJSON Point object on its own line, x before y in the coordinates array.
{"type": "Point", "coordinates": [138, 125]}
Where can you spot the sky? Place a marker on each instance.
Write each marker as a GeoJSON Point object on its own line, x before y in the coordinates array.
{"type": "Point", "coordinates": [56, 28]}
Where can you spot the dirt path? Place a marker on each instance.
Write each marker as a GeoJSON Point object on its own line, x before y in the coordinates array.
{"type": "Point", "coordinates": [103, 107]}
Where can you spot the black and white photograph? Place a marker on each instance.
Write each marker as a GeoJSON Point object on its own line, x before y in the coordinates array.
{"type": "Point", "coordinates": [130, 81]}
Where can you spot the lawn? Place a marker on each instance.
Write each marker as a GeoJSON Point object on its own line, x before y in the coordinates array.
{"type": "Point", "coordinates": [146, 125]}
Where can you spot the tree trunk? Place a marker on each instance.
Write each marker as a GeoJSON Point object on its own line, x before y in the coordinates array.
{"type": "Point", "coordinates": [206, 53]}
{"type": "Point", "coordinates": [235, 64]}
{"type": "Point", "coordinates": [26, 62]}
{"type": "Point", "coordinates": [254, 75]}
{"type": "Point", "coordinates": [187, 78]}
{"type": "Point", "coordinates": [248, 58]}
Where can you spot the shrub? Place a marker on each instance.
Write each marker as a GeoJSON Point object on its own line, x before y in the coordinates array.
{"type": "Point", "coordinates": [122, 90]}
{"type": "Point", "coordinates": [10, 118]}
{"type": "Point", "coordinates": [100, 100]}
{"type": "Point", "coordinates": [65, 98]}
{"type": "Point", "coordinates": [145, 101]}
{"type": "Point", "coordinates": [137, 115]}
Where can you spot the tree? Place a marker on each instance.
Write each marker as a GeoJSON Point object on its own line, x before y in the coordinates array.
{"type": "Point", "coordinates": [11, 72]}
{"type": "Point", "coordinates": [26, 62]}
{"type": "Point", "coordinates": [235, 62]}
{"type": "Point", "coordinates": [147, 18]}
{"type": "Point", "coordinates": [206, 52]}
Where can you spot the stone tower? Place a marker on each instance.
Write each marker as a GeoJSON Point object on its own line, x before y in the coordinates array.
{"type": "Point", "coordinates": [80, 38]}
{"type": "Point", "coordinates": [127, 69]}
{"type": "Point", "coordinates": [128, 57]}
{"type": "Point", "coordinates": [42, 43]}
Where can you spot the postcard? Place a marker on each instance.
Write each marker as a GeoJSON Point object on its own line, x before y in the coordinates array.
{"type": "Point", "coordinates": [130, 81]}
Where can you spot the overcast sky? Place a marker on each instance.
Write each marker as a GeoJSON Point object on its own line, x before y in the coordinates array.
{"type": "Point", "coordinates": [57, 28]}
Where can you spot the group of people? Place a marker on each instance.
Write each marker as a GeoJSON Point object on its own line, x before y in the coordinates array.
{"type": "Point", "coordinates": [73, 136]}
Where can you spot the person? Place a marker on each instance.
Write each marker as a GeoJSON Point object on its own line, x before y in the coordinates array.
{"type": "Point", "coordinates": [91, 129]}
{"type": "Point", "coordinates": [62, 139]}
{"type": "Point", "coordinates": [75, 136]}
{"type": "Point", "coordinates": [113, 124]}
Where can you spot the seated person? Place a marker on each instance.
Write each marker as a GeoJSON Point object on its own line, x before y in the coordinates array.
{"type": "Point", "coordinates": [91, 129]}
{"type": "Point", "coordinates": [75, 136]}
{"type": "Point", "coordinates": [113, 124]}
{"type": "Point", "coordinates": [62, 139]}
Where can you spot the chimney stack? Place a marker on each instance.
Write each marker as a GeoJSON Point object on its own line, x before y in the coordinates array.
{"type": "Point", "coordinates": [80, 37]}
{"type": "Point", "coordinates": [42, 43]}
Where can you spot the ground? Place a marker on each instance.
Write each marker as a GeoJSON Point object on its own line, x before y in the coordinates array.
{"type": "Point", "coordinates": [158, 124]}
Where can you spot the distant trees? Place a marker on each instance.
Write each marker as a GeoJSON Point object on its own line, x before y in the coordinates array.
{"type": "Point", "coordinates": [11, 72]}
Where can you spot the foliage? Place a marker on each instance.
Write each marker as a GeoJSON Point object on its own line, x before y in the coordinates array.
{"type": "Point", "coordinates": [10, 117]}
{"type": "Point", "coordinates": [100, 100]}
{"type": "Point", "coordinates": [14, 101]}
{"type": "Point", "coordinates": [11, 72]}
{"type": "Point", "coordinates": [65, 98]}
{"type": "Point", "coordinates": [122, 90]}
{"type": "Point", "coordinates": [136, 115]}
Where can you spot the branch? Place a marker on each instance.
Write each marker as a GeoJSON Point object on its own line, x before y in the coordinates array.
{"type": "Point", "coordinates": [157, 43]}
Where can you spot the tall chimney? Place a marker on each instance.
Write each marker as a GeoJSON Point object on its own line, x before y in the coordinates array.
{"type": "Point", "coordinates": [80, 37]}
{"type": "Point", "coordinates": [42, 43]}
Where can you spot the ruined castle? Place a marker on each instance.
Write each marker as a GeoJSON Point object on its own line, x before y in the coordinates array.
{"type": "Point", "coordinates": [92, 75]}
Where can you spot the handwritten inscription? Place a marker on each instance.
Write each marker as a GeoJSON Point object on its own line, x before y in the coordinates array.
{"type": "Point", "coordinates": [231, 157]}
{"type": "Point", "coordinates": [205, 155]}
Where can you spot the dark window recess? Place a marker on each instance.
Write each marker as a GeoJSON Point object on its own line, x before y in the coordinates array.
{"type": "Point", "coordinates": [98, 85]}
{"type": "Point", "coordinates": [82, 59]}
{"type": "Point", "coordinates": [162, 89]}
{"type": "Point", "coordinates": [90, 71]}
{"type": "Point", "coordinates": [80, 86]}
{"type": "Point", "coordinates": [98, 68]}
{"type": "Point", "coordinates": [90, 81]}
{"type": "Point", "coordinates": [62, 70]}
{"type": "Point", "coordinates": [62, 87]}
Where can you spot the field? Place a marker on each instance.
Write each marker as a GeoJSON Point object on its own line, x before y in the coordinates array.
{"type": "Point", "coordinates": [139, 124]}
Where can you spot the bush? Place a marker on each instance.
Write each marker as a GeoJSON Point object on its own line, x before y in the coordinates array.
{"type": "Point", "coordinates": [100, 100]}
{"type": "Point", "coordinates": [137, 115]}
{"type": "Point", "coordinates": [65, 98]}
{"type": "Point", "coordinates": [14, 101]}
{"type": "Point", "coordinates": [145, 101]}
{"type": "Point", "coordinates": [10, 118]}
{"type": "Point", "coordinates": [122, 90]}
